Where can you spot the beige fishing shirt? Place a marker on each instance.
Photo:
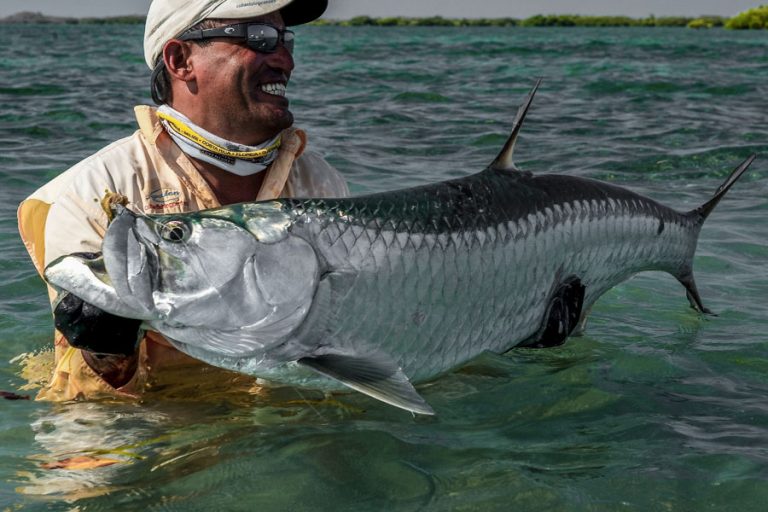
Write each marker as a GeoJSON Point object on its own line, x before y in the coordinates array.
{"type": "Point", "coordinates": [66, 216]}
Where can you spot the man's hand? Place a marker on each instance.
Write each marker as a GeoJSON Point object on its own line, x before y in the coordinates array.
{"type": "Point", "coordinates": [89, 328]}
{"type": "Point", "coordinates": [109, 342]}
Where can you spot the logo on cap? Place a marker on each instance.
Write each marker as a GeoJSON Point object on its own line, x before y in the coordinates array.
{"type": "Point", "coordinates": [255, 4]}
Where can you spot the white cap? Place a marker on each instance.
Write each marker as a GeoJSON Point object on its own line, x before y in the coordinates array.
{"type": "Point", "coordinates": [167, 19]}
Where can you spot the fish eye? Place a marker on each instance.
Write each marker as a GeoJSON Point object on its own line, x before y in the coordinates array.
{"type": "Point", "coordinates": [174, 231]}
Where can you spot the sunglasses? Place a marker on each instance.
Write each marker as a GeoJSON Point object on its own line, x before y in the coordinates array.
{"type": "Point", "coordinates": [259, 36]}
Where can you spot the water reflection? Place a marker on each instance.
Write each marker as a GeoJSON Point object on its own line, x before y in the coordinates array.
{"type": "Point", "coordinates": [85, 447]}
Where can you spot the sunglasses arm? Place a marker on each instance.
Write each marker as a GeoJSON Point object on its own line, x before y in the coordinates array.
{"type": "Point", "coordinates": [208, 33]}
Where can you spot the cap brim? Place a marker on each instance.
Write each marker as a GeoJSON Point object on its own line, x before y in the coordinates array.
{"type": "Point", "coordinates": [299, 12]}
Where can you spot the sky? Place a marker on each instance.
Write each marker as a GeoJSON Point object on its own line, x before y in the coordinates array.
{"type": "Point", "coordinates": [342, 9]}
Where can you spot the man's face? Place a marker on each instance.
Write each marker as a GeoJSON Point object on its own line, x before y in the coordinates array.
{"type": "Point", "coordinates": [236, 87]}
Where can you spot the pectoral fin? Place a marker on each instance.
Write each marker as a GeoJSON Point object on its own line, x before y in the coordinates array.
{"type": "Point", "coordinates": [375, 376]}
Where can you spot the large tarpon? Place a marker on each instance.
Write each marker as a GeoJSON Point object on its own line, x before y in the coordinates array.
{"type": "Point", "coordinates": [379, 291]}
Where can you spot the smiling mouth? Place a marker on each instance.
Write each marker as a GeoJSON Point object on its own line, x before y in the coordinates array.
{"type": "Point", "coordinates": [275, 89]}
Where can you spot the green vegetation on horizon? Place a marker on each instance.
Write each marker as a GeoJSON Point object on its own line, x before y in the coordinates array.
{"type": "Point", "coordinates": [756, 18]}
{"type": "Point", "coordinates": [40, 18]}
{"type": "Point", "coordinates": [434, 21]}
{"type": "Point", "coordinates": [540, 20]}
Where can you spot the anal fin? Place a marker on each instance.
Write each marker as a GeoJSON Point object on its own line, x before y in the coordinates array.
{"type": "Point", "coordinates": [374, 375]}
{"type": "Point", "coordinates": [563, 315]}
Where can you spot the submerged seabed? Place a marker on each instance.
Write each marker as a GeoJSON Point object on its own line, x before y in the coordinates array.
{"type": "Point", "coordinates": [655, 409]}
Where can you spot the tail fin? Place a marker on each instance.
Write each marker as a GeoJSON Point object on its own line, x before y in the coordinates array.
{"type": "Point", "coordinates": [700, 214]}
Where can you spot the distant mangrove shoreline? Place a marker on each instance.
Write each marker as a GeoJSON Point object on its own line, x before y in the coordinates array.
{"type": "Point", "coordinates": [540, 20]}
{"type": "Point", "coordinates": [37, 18]}
{"type": "Point", "coordinates": [756, 18]}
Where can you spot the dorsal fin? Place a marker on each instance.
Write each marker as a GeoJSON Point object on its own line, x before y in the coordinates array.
{"type": "Point", "coordinates": [504, 161]}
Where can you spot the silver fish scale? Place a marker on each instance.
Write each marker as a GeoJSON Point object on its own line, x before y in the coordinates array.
{"type": "Point", "coordinates": [435, 275]}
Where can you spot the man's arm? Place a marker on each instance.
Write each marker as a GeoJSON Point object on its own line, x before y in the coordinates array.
{"type": "Point", "coordinates": [117, 371]}
{"type": "Point", "coordinates": [76, 223]}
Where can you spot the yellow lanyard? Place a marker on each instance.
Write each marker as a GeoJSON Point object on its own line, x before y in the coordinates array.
{"type": "Point", "coordinates": [188, 133]}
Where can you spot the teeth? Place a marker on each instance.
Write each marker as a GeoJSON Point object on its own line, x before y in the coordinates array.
{"type": "Point", "coordinates": [274, 89]}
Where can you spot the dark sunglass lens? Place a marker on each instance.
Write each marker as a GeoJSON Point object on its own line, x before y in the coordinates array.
{"type": "Point", "coordinates": [265, 38]}
{"type": "Point", "coordinates": [262, 38]}
{"type": "Point", "coordinates": [269, 43]}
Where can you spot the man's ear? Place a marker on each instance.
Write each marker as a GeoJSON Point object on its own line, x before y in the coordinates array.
{"type": "Point", "coordinates": [176, 55]}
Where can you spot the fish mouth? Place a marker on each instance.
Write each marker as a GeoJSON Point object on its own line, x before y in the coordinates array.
{"type": "Point", "coordinates": [85, 276]}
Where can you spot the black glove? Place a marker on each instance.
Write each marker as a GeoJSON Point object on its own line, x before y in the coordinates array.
{"type": "Point", "coordinates": [89, 328]}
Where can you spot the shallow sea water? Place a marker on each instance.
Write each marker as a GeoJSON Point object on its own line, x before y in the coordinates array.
{"type": "Point", "coordinates": [656, 408]}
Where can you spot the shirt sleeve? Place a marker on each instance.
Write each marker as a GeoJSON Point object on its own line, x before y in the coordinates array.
{"type": "Point", "coordinates": [76, 221]}
{"type": "Point", "coordinates": [74, 224]}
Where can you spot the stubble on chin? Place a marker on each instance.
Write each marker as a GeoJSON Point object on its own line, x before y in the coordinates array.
{"type": "Point", "coordinates": [259, 124]}
{"type": "Point", "coordinates": [275, 120]}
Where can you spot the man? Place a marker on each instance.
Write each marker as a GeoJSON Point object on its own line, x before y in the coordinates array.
{"type": "Point", "coordinates": [222, 134]}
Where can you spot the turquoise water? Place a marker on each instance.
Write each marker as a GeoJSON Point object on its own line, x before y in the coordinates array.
{"type": "Point", "coordinates": [656, 408]}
